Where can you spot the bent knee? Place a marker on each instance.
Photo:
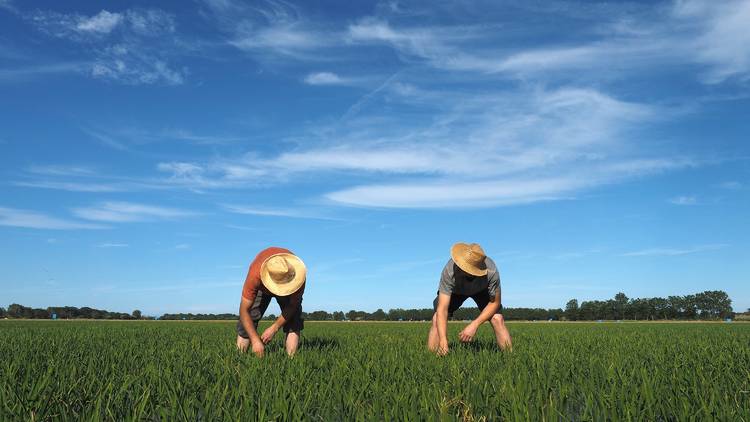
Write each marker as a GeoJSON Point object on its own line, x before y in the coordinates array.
{"type": "Point", "coordinates": [242, 343]}
{"type": "Point", "coordinates": [497, 319]}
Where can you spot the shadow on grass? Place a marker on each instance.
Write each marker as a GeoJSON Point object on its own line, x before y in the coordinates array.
{"type": "Point", "coordinates": [479, 346]}
{"type": "Point", "coordinates": [319, 343]}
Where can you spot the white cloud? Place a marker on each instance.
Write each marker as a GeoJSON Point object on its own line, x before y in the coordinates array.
{"type": "Point", "coordinates": [675, 251]}
{"type": "Point", "coordinates": [121, 212]}
{"type": "Point", "coordinates": [723, 42]}
{"type": "Point", "coordinates": [182, 246]}
{"type": "Point", "coordinates": [13, 217]}
{"type": "Point", "coordinates": [112, 245]}
{"type": "Point", "coordinates": [325, 78]}
{"type": "Point", "coordinates": [104, 22]}
{"type": "Point", "coordinates": [684, 200]}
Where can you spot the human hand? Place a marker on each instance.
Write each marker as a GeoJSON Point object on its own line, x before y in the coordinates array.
{"type": "Point", "coordinates": [268, 334]}
{"type": "Point", "coordinates": [442, 349]}
{"type": "Point", "coordinates": [258, 348]}
{"type": "Point", "coordinates": [467, 334]}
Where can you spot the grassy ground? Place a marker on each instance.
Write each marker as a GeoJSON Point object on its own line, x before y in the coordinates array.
{"type": "Point", "coordinates": [365, 371]}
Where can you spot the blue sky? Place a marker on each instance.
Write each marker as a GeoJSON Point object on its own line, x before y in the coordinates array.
{"type": "Point", "coordinates": [151, 149]}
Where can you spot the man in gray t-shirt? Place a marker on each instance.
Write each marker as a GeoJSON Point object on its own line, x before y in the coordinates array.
{"type": "Point", "coordinates": [468, 274]}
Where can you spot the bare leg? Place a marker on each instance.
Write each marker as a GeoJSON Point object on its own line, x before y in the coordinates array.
{"type": "Point", "coordinates": [292, 341]}
{"type": "Point", "coordinates": [242, 343]}
{"type": "Point", "coordinates": [433, 339]}
{"type": "Point", "coordinates": [501, 332]}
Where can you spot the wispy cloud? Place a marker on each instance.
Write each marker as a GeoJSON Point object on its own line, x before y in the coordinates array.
{"type": "Point", "coordinates": [675, 251]}
{"type": "Point", "coordinates": [24, 72]}
{"type": "Point", "coordinates": [7, 5]}
{"type": "Point", "coordinates": [73, 186]}
{"type": "Point", "coordinates": [123, 212]}
{"type": "Point", "coordinates": [276, 212]}
{"type": "Point", "coordinates": [132, 47]}
{"type": "Point", "coordinates": [731, 185]}
{"type": "Point", "coordinates": [112, 245]}
{"type": "Point", "coordinates": [698, 32]}
{"type": "Point", "coordinates": [13, 217]}
{"type": "Point", "coordinates": [684, 200]}
{"type": "Point", "coordinates": [269, 28]}
{"type": "Point", "coordinates": [130, 136]}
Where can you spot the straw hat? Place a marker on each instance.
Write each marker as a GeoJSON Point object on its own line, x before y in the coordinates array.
{"type": "Point", "coordinates": [283, 274]}
{"type": "Point", "coordinates": [470, 258]}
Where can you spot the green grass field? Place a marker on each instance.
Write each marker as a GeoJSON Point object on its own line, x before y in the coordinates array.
{"type": "Point", "coordinates": [67, 370]}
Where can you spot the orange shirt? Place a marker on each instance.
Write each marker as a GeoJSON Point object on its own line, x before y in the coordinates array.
{"type": "Point", "coordinates": [252, 281]}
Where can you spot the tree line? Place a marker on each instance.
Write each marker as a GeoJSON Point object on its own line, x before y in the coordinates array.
{"type": "Point", "coordinates": [707, 305]}
{"type": "Point", "coordinates": [66, 312]}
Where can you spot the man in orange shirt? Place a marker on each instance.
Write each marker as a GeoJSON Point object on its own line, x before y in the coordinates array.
{"type": "Point", "coordinates": [275, 272]}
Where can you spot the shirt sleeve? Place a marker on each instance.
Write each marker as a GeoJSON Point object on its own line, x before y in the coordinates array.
{"type": "Point", "coordinates": [250, 289]}
{"type": "Point", "coordinates": [493, 283]}
{"type": "Point", "coordinates": [447, 279]}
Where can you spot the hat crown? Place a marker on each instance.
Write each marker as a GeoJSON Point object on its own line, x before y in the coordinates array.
{"type": "Point", "coordinates": [474, 254]}
{"type": "Point", "coordinates": [279, 269]}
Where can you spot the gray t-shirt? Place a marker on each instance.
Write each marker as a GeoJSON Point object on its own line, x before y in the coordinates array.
{"type": "Point", "coordinates": [455, 282]}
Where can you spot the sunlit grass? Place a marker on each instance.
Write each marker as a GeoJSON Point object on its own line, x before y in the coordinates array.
{"type": "Point", "coordinates": [373, 371]}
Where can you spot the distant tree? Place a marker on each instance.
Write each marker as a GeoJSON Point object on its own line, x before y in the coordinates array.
{"type": "Point", "coordinates": [339, 316]}
{"type": "Point", "coordinates": [2, 312]}
{"type": "Point", "coordinates": [571, 310]}
{"type": "Point", "coordinates": [137, 314]}
{"type": "Point", "coordinates": [621, 301]}
{"type": "Point", "coordinates": [378, 315]}
{"type": "Point", "coordinates": [17, 311]}
{"type": "Point", "coordinates": [319, 316]}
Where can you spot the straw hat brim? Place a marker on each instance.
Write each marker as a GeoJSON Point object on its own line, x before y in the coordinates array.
{"type": "Point", "coordinates": [458, 251]}
{"type": "Point", "coordinates": [290, 287]}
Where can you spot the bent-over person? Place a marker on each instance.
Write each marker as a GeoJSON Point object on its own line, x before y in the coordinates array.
{"type": "Point", "coordinates": [274, 273]}
{"type": "Point", "coordinates": [468, 274]}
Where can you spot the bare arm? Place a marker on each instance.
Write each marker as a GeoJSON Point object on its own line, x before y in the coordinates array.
{"type": "Point", "coordinates": [488, 310]}
{"type": "Point", "coordinates": [286, 314]}
{"type": "Point", "coordinates": [442, 321]}
{"type": "Point", "coordinates": [247, 322]}
{"type": "Point", "coordinates": [467, 334]}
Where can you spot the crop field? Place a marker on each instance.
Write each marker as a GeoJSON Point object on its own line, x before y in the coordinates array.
{"type": "Point", "coordinates": [66, 370]}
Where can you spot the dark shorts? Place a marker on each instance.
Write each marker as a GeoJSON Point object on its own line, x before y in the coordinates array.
{"type": "Point", "coordinates": [262, 300]}
{"type": "Point", "coordinates": [481, 299]}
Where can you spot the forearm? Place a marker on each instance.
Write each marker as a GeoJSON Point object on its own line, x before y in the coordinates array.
{"type": "Point", "coordinates": [442, 325]}
{"type": "Point", "coordinates": [247, 323]}
{"type": "Point", "coordinates": [280, 321]}
{"type": "Point", "coordinates": [487, 312]}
